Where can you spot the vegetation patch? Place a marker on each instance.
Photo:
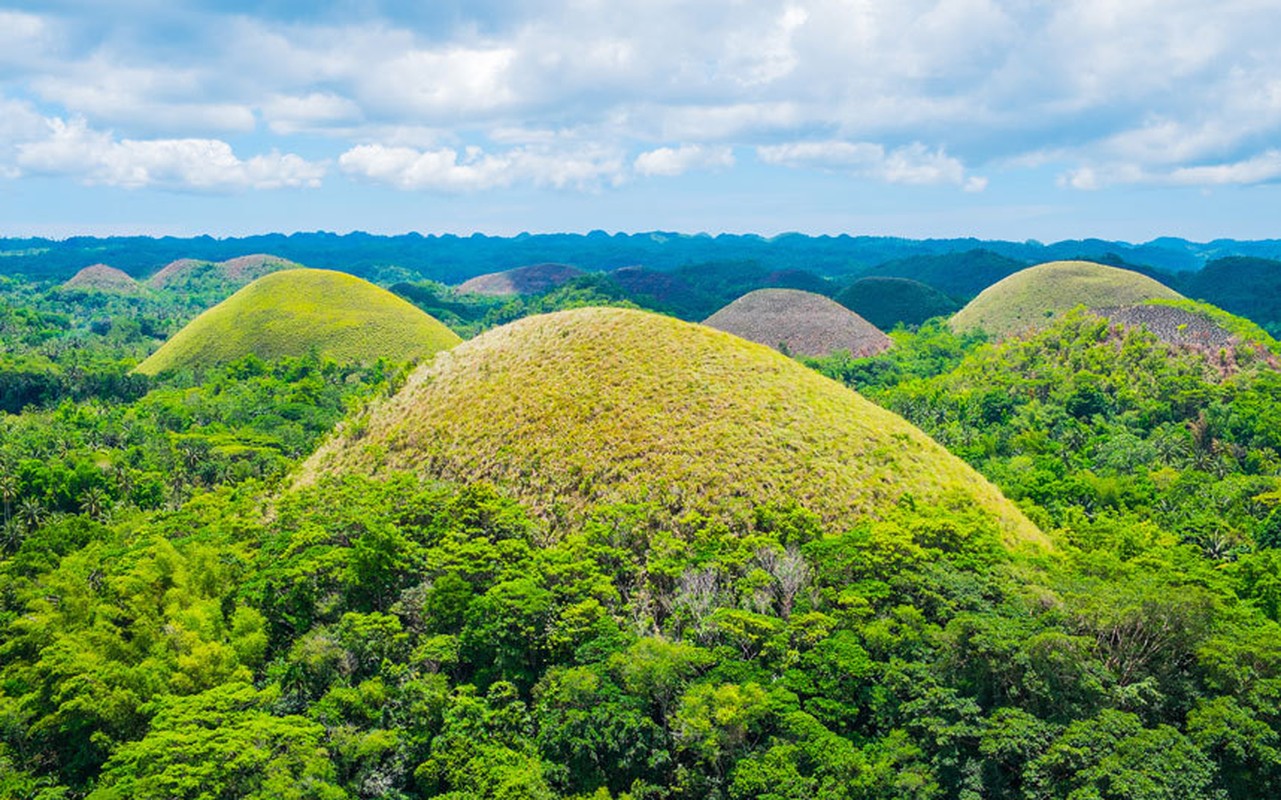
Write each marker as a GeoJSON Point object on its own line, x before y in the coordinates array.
{"type": "Point", "coordinates": [886, 302]}
{"type": "Point", "coordinates": [533, 279]}
{"type": "Point", "coordinates": [1036, 297]}
{"type": "Point", "coordinates": [578, 408]}
{"type": "Point", "coordinates": [296, 312]}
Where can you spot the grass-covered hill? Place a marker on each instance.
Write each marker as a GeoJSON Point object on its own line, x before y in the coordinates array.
{"type": "Point", "coordinates": [532, 279]}
{"type": "Point", "coordinates": [189, 274]}
{"type": "Point", "coordinates": [295, 312]}
{"type": "Point", "coordinates": [885, 302]}
{"type": "Point", "coordinates": [800, 323]}
{"type": "Point", "coordinates": [593, 406]}
{"type": "Point", "coordinates": [102, 278]}
{"type": "Point", "coordinates": [1037, 296]}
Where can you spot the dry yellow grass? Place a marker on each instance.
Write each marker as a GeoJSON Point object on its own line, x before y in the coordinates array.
{"type": "Point", "coordinates": [594, 405]}
{"type": "Point", "coordinates": [1039, 296]}
{"type": "Point", "coordinates": [294, 312]}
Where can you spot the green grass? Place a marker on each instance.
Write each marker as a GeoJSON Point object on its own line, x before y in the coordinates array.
{"type": "Point", "coordinates": [292, 312]}
{"type": "Point", "coordinates": [594, 405]}
{"type": "Point", "coordinates": [1038, 296]}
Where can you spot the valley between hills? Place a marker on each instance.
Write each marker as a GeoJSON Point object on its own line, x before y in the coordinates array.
{"type": "Point", "coordinates": [640, 517]}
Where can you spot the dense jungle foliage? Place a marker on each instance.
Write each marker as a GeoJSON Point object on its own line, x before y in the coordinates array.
{"type": "Point", "coordinates": [175, 621]}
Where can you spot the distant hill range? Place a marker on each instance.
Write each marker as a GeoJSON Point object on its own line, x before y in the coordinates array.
{"type": "Point", "coordinates": [454, 259]}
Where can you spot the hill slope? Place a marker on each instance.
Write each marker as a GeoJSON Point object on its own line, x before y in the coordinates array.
{"type": "Point", "coordinates": [1035, 297]}
{"type": "Point", "coordinates": [1250, 287]}
{"type": "Point", "coordinates": [601, 405]}
{"type": "Point", "coordinates": [799, 322]}
{"type": "Point", "coordinates": [290, 313]}
{"type": "Point", "coordinates": [103, 278]}
{"type": "Point", "coordinates": [188, 272]}
{"type": "Point", "coordinates": [963, 274]}
{"type": "Point", "coordinates": [533, 279]}
{"type": "Point", "coordinates": [885, 302]}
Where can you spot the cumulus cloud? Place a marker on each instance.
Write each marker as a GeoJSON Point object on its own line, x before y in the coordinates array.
{"type": "Point", "coordinates": [96, 157]}
{"type": "Point", "coordinates": [1262, 168]}
{"type": "Point", "coordinates": [1112, 92]}
{"type": "Point", "coordinates": [913, 164]}
{"type": "Point", "coordinates": [448, 170]}
{"type": "Point", "coordinates": [670, 161]}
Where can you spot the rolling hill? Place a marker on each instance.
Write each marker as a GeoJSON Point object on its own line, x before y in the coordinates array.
{"type": "Point", "coordinates": [293, 312]}
{"type": "Point", "coordinates": [607, 405]}
{"type": "Point", "coordinates": [186, 273]}
{"type": "Point", "coordinates": [102, 278]}
{"type": "Point", "coordinates": [1035, 297]}
{"type": "Point", "coordinates": [799, 323]}
{"type": "Point", "coordinates": [963, 274]}
{"type": "Point", "coordinates": [1250, 287]}
{"type": "Point", "coordinates": [885, 302]}
{"type": "Point", "coordinates": [533, 279]}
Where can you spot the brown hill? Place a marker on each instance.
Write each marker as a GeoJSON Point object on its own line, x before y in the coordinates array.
{"type": "Point", "coordinates": [1170, 324]}
{"type": "Point", "coordinates": [533, 279]}
{"type": "Point", "coordinates": [234, 271]}
{"type": "Point", "coordinates": [800, 323]}
{"type": "Point", "coordinates": [103, 278]}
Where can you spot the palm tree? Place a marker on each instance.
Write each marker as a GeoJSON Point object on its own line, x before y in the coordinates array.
{"type": "Point", "coordinates": [31, 512]}
{"type": "Point", "coordinates": [93, 502]}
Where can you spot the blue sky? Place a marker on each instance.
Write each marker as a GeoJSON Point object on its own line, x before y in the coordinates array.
{"type": "Point", "coordinates": [1007, 119]}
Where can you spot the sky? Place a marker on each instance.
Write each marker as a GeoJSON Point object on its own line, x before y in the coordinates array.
{"type": "Point", "coordinates": [1012, 119]}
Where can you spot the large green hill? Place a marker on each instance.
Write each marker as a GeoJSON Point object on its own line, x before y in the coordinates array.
{"type": "Point", "coordinates": [598, 405]}
{"type": "Point", "coordinates": [293, 312]}
{"type": "Point", "coordinates": [1037, 296]}
{"type": "Point", "coordinates": [885, 302]}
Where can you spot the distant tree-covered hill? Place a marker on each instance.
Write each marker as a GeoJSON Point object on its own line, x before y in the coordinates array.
{"type": "Point", "coordinates": [453, 259]}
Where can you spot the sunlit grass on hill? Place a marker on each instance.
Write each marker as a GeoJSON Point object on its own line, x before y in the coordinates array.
{"type": "Point", "coordinates": [295, 312]}
{"type": "Point", "coordinates": [1038, 296]}
{"type": "Point", "coordinates": [590, 406]}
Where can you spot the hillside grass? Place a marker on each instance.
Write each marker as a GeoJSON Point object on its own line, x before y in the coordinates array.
{"type": "Point", "coordinates": [295, 312]}
{"type": "Point", "coordinates": [532, 279]}
{"type": "Point", "coordinates": [1038, 296]}
{"type": "Point", "coordinates": [103, 278]}
{"type": "Point", "coordinates": [799, 323]}
{"type": "Point", "coordinates": [591, 406]}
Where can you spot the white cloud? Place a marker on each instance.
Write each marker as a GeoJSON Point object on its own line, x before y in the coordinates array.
{"type": "Point", "coordinates": [448, 170]}
{"type": "Point", "coordinates": [913, 164]}
{"type": "Point", "coordinates": [95, 157]}
{"type": "Point", "coordinates": [1143, 90]}
{"type": "Point", "coordinates": [1262, 168]}
{"type": "Point", "coordinates": [286, 114]}
{"type": "Point", "coordinates": [676, 161]}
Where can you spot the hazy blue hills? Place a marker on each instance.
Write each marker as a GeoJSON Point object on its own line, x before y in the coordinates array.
{"type": "Point", "coordinates": [454, 259]}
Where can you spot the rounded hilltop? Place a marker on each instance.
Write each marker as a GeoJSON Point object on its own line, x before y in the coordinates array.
{"type": "Point", "coordinates": [532, 279]}
{"type": "Point", "coordinates": [102, 278]}
{"type": "Point", "coordinates": [606, 405]}
{"type": "Point", "coordinates": [885, 302]}
{"type": "Point", "coordinates": [799, 323]}
{"type": "Point", "coordinates": [298, 311]}
{"type": "Point", "coordinates": [180, 274]}
{"type": "Point", "coordinates": [1035, 297]}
